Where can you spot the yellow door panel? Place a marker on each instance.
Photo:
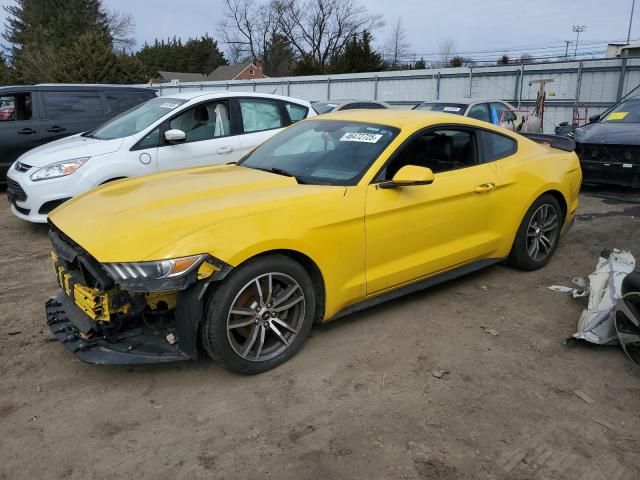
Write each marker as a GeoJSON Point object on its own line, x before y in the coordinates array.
{"type": "Point", "coordinates": [416, 231]}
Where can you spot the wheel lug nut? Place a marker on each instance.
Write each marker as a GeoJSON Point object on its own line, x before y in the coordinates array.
{"type": "Point", "coordinates": [273, 314]}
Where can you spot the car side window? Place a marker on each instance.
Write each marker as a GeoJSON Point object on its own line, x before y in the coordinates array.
{"type": "Point", "coordinates": [371, 105]}
{"type": "Point", "coordinates": [59, 105]}
{"type": "Point", "coordinates": [441, 150]}
{"type": "Point", "coordinates": [296, 112]}
{"type": "Point", "coordinates": [496, 146]}
{"type": "Point", "coordinates": [480, 111]}
{"type": "Point", "coordinates": [205, 121]}
{"type": "Point", "coordinates": [15, 107]}
{"type": "Point", "coordinates": [151, 140]}
{"type": "Point", "coordinates": [497, 109]}
{"type": "Point", "coordinates": [122, 101]}
{"type": "Point", "coordinates": [259, 114]}
{"type": "Point", "coordinates": [351, 106]}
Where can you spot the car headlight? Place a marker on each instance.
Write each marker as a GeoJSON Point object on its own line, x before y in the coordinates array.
{"type": "Point", "coordinates": [162, 275]}
{"type": "Point", "coordinates": [59, 169]}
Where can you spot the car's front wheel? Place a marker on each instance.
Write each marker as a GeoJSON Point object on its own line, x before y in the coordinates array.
{"type": "Point", "coordinates": [538, 235]}
{"type": "Point", "coordinates": [260, 315]}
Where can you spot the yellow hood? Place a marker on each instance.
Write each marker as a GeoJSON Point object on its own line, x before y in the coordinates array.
{"type": "Point", "coordinates": [128, 220]}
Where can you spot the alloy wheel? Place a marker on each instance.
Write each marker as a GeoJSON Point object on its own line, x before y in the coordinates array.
{"type": "Point", "coordinates": [265, 316]}
{"type": "Point", "coordinates": [542, 232]}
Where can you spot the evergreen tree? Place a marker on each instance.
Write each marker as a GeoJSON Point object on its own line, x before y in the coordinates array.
{"type": "Point", "coordinates": [307, 65]}
{"type": "Point", "coordinates": [279, 58]}
{"type": "Point", "coordinates": [197, 55]}
{"type": "Point", "coordinates": [420, 64]}
{"type": "Point", "coordinates": [42, 34]}
{"type": "Point", "coordinates": [357, 56]}
{"type": "Point", "coordinates": [5, 72]}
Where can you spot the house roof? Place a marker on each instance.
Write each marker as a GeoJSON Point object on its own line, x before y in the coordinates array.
{"type": "Point", "coordinates": [228, 72]}
{"type": "Point", "coordinates": [181, 76]}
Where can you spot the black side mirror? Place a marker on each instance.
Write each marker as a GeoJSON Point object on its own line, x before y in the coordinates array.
{"type": "Point", "coordinates": [594, 118]}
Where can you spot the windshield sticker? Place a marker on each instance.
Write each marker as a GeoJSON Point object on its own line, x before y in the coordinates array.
{"type": "Point", "coordinates": [617, 115]}
{"type": "Point", "coordinates": [361, 137]}
{"type": "Point", "coordinates": [169, 105]}
{"type": "Point", "coordinates": [451, 109]}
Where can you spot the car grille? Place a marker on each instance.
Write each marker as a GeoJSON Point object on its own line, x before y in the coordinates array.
{"type": "Point", "coordinates": [609, 153]}
{"type": "Point", "coordinates": [16, 190]}
{"type": "Point", "coordinates": [22, 167]}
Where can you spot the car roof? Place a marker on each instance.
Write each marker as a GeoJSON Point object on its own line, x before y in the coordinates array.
{"type": "Point", "coordinates": [401, 118]}
{"type": "Point", "coordinates": [465, 101]}
{"type": "Point", "coordinates": [73, 87]}
{"type": "Point", "coordinates": [204, 95]}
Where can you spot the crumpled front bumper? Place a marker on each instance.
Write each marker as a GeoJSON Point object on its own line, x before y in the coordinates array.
{"type": "Point", "coordinates": [70, 326]}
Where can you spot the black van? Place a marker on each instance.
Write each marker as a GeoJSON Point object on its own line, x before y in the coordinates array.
{"type": "Point", "coordinates": [31, 115]}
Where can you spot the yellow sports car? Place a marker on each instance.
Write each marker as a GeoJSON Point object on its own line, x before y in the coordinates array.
{"type": "Point", "coordinates": [330, 216]}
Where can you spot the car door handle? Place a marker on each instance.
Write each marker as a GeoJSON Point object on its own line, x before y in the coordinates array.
{"type": "Point", "coordinates": [485, 188]}
{"type": "Point", "coordinates": [56, 129]}
{"type": "Point", "coordinates": [224, 150]}
{"type": "Point", "coordinates": [27, 131]}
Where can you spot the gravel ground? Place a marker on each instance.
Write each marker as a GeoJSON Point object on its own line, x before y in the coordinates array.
{"type": "Point", "coordinates": [359, 401]}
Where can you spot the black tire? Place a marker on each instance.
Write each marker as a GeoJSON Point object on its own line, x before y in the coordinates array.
{"type": "Point", "coordinates": [521, 252]}
{"type": "Point", "coordinates": [223, 343]}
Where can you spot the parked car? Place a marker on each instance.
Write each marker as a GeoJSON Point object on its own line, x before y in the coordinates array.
{"type": "Point", "coordinates": [337, 105]}
{"type": "Point", "coordinates": [492, 111]}
{"type": "Point", "coordinates": [165, 133]}
{"type": "Point", "coordinates": [332, 215]}
{"type": "Point", "coordinates": [609, 146]}
{"type": "Point", "coordinates": [32, 115]}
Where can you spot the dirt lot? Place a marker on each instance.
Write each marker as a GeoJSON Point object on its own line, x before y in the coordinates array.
{"type": "Point", "coordinates": [359, 401]}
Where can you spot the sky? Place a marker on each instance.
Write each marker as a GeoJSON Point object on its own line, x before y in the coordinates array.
{"type": "Point", "coordinates": [480, 28]}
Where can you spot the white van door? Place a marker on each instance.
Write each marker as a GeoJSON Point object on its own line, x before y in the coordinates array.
{"type": "Point", "coordinates": [208, 138]}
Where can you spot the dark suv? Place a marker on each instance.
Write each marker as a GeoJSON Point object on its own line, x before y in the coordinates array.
{"type": "Point", "coordinates": [31, 115]}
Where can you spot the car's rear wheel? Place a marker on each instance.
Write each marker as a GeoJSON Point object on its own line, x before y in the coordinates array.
{"type": "Point", "coordinates": [260, 315]}
{"type": "Point", "coordinates": [538, 235]}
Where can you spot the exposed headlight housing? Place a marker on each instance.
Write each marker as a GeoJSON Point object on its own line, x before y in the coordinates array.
{"type": "Point", "coordinates": [59, 169]}
{"type": "Point", "coordinates": [162, 275]}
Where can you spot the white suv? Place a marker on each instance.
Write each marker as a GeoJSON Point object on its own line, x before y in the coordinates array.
{"type": "Point", "coordinates": [166, 133]}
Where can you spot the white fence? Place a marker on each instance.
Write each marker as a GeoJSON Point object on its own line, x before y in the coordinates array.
{"type": "Point", "coordinates": [591, 84]}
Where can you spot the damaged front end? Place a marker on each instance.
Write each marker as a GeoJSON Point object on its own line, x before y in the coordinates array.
{"type": "Point", "coordinates": [128, 313]}
{"type": "Point", "coordinates": [610, 164]}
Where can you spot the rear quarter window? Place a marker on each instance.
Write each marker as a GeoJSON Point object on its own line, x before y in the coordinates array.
{"type": "Point", "coordinates": [296, 112]}
{"type": "Point", "coordinates": [122, 101]}
{"type": "Point", "coordinates": [496, 146]}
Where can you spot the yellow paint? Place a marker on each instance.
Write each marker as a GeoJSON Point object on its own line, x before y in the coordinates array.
{"type": "Point", "coordinates": [206, 270]}
{"type": "Point", "coordinates": [617, 115]}
{"type": "Point", "coordinates": [365, 240]}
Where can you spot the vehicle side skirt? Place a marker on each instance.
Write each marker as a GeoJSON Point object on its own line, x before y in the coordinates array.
{"type": "Point", "coordinates": [416, 287]}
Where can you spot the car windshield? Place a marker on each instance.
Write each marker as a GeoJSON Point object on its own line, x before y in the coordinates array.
{"type": "Point", "coordinates": [135, 120]}
{"type": "Point", "coordinates": [626, 112]}
{"type": "Point", "coordinates": [324, 107]}
{"type": "Point", "coordinates": [456, 108]}
{"type": "Point", "coordinates": [329, 152]}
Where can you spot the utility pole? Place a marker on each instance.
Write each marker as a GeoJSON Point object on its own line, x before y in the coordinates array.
{"type": "Point", "coordinates": [578, 29]}
{"type": "Point", "coordinates": [633, 6]}
{"type": "Point", "coordinates": [569, 42]}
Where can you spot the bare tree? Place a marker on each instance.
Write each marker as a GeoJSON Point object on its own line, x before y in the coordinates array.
{"type": "Point", "coordinates": [320, 29]}
{"type": "Point", "coordinates": [247, 29]}
{"type": "Point", "coordinates": [121, 28]}
{"type": "Point", "coordinates": [447, 50]}
{"type": "Point", "coordinates": [398, 44]}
